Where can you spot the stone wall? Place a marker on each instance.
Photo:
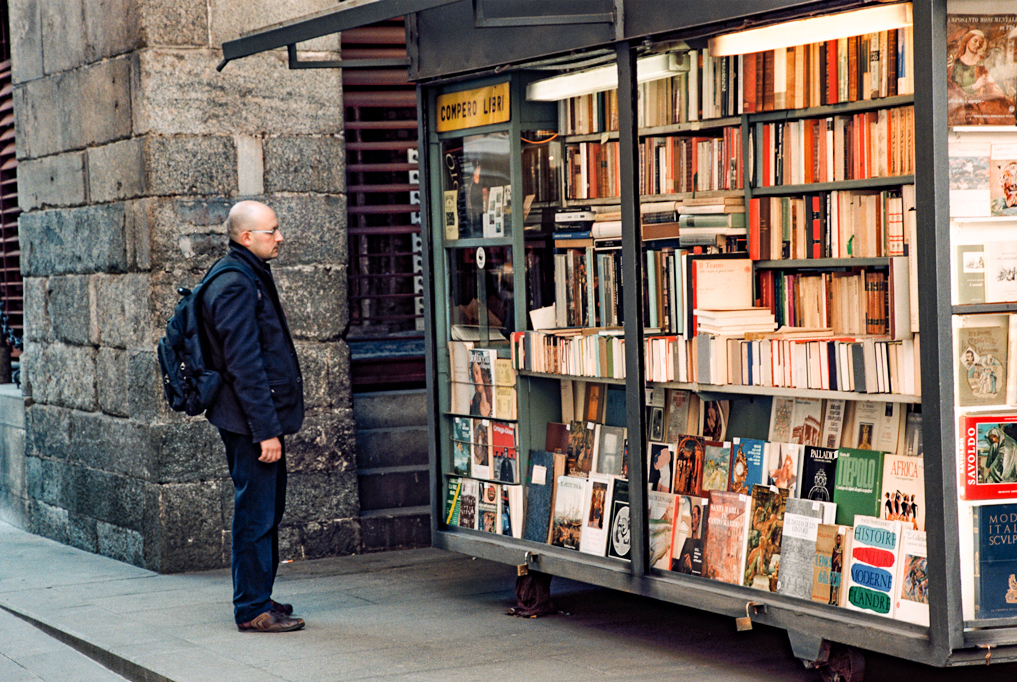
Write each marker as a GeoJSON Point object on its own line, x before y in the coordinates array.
{"type": "Point", "coordinates": [131, 150]}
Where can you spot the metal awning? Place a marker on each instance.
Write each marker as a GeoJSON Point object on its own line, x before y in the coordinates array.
{"type": "Point", "coordinates": [347, 15]}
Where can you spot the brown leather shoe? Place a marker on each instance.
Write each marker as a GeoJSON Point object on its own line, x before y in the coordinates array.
{"type": "Point", "coordinates": [270, 621]}
{"type": "Point", "coordinates": [278, 607]}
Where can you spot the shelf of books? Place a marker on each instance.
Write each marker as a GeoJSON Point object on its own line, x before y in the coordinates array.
{"type": "Point", "coordinates": [756, 435]}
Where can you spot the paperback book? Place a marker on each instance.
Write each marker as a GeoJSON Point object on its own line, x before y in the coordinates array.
{"type": "Point", "coordinates": [661, 527]}
{"type": "Point", "coordinates": [833, 546]}
{"type": "Point", "coordinates": [539, 493]}
{"type": "Point", "coordinates": [727, 529]}
{"type": "Point", "coordinates": [748, 464]}
{"type": "Point", "coordinates": [763, 550]}
{"type": "Point", "coordinates": [798, 547]}
{"type": "Point", "coordinates": [995, 526]}
{"type": "Point", "coordinates": [687, 539]}
{"type": "Point", "coordinates": [567, 524]}
{"type": "Point", "coordinates": [872, 567]}
{"type": "Point", "coordinates": [596, 504]}
{"type": "Point", "coordinates": [858, 488]}
{"type": "Point", "coordinates": [619, 541]}
{"type": "Point", "coordinates": [988, 456]}
{"type": "Point", "coordinates": [689, 460]}
{"type": "Point", "coordinates": [904, 491]}
{"type": "Point", "coordinates": [819, 467]}
{"type": "Point", "coordinates": [981, 362]}
{"type": "Point", "coordinates": [716, 465]}
{"type": "Point", "coordinates": [503, 446]}
{"type": "Point", "coordinates": [912, 596]}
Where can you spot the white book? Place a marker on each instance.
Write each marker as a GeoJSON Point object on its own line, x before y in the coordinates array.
{"type": "Point", "coordinates": [1001, 272]}
{"type": "Point", "coordinates": [911, 598]}
{"type": "Point", "coordinates": [872, 584]}
{"type": "Point", "coordinates": [596, 503]}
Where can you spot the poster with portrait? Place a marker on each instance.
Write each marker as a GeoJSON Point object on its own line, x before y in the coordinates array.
{"type": "Point", "coordinates": [981, 69]}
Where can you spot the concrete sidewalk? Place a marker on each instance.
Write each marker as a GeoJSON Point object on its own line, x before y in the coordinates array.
{"type": "Point", "coordinates": [413, 615]}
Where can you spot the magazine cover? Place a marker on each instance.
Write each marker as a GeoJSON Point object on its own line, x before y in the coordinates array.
{"type": "Point", "coordinates": [980, 77]}
{"type": "Point", "coordinates": [506, 457]}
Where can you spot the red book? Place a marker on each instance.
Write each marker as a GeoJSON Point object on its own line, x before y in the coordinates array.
{"type": "Point", "coordinates": [767, 80]}
{"type": "Point", "coordinates": [749, 82]}
{"type": "Point", "coordinates": [767, 155]}
{"type": "Point", "coordinates": [831, 72]}
{"type": "Point", "coordinates": [816, 215]}
{"type": "Point", "coordinates": [754, 244]}
{"type": "Point", "coordinates": [852, 47]}
{"type": "Point", "coordinates": [989, 442]}
{"type": "Point", "coordinates": [807, 149]}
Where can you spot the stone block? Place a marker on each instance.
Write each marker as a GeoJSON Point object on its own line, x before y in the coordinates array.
{"type": "Point", "coordinates": [305, 164]}
{"type": "Point", "coordinates": [338, 537]}
{"type": "Point", "coordinates": [14, 510]}
{"type": "Point", "coordinates": [179, 92]}
{"type": "Point", "coordinates": [74, 241]}
{"type": "Point", "coordinates": [124, 310]}
{"type": "Point", "coordinates": [26, 39]}
{"type": "Point", "coordinates": [314, 227]}
{"type": "Point", "coordinates": [174, 22]}
{"type": "Point", "coordinates": [111, 444]}
{"type": "Point", "coordinates": [57, 180]}
{"type": "Point", "coordinates": [48, 521]}
{"type": "Point", "coordinates": [250, 165]}
{"type": "Point", "coordinates": [183, 528]}
{"type": "Point", "coordinates": [70, 301]}
{"type": "Point", "coordinates": [230, 20]}
{"type": "Point", "coordinates": [112, 378]}
{"type": "Point", "coordinates": [36, 317]}
{"type": "Point", "coordinates": [63, 35]}
{"type": "Point", "coordinates": [191, 165]}
{"type": "Point", "coordinates": [185, 235]}
{"type": "Point", "coordinates": [13, 467]}
{"type": "Point", "coordinates": [47, 480]}
{"type": "Point", "coordinates": [47, 431]}
{"type": "Point", "coordinates": [106, 37]}
{"type": "Point", "coordinates": [12, 406]}
{"type": "Point", "coordinates": [315, 301]}
{"type": "Point", "coordinates": [146, 398]}
{"type": "Point", "coordinates": [64, 375]}
{"type": "Point", "coordinates": [107, 497]}
{"type": "Point", "coordinates": [81, 532]}
{"type": "Point", "coordinates": [326, 371]}
{"type": "Point", "coordinates": [325, 442]}
{"type": "Point", "coordinates": [187, 453]}
{"type": "Point", "coordinates": [321, 496]}
{"type": "Point", "coordinates": [116, 171]}
{"type": "Point", "coordinates": [120, 543]}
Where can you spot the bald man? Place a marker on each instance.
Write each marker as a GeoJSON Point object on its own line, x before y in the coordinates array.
{"type": "Point", "coordinates": [261, 401]}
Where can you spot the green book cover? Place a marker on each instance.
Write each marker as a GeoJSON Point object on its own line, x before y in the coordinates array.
{"type": "Point", "coordinates": [858, 485]}
{"type": "Point", "coordinates": [452, 501]}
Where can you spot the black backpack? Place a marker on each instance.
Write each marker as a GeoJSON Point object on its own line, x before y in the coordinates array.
{"type": "Point", "coordinates": [190, 385]}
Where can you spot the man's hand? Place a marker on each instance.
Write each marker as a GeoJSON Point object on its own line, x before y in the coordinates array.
{"type": "Point", "coordinates": [271, 450]}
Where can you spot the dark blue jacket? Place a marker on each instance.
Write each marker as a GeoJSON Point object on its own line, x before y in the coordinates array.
{"type": "Point", "coordinates": [249, 343]}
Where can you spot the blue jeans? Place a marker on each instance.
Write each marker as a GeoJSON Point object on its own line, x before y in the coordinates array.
{"type": "Point", "coordinates": [258, 504]}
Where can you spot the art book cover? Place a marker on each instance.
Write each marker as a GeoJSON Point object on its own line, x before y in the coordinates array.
{"type": "Point", "coordinates": [688, 470]}
{"type": "Point", "coordinates": [798, 547]}
{"type": "Point", "coordinates": [980, 78]}
{"type": "Point", "coordinates": [462, 439]}
{"type": "Point", "coordinates": [453, 488]}
{"type": "Point", "coordinates": [1003, 180]}
{"type": "Point", "coordinates": [969, 179]}
{"type": "Point", "coordinates": [687, 539]}
{"type": "Point", "coordinates": [969, 273]}
{"type": "Point", "coordinates": [619, 541]}
{"type": "Point", "coordinates": [912, 596]}
{"type": "Point", "coordinates": [819, 466]}
{"type": "Point", "coordinates": [480, 465]}
{"type": "Point", "coordinates": [677, 418]}
{"type": "Point", "coordinates": [763, 549]}
{"type": "Point", "coordinates": [872, 566]}
{"type": "Point", "coordinates": [506, 457]}
{"type": "Point", "coordinates": [874, 425]}
{"type": "Point", "coordinates": [913, 435]}
{"type": "Point", "coordinates": [981, 361]}
{"type": "Point", "coordinates": [904, 491]}
{"type": "Point", "coordinates": [833, 546]}
{"type": "Point", "coordinates": [727, 529]}
{"type": "Point", "coordinates": [660, 467]}
{"type": "Point", "coordinates": [988, 456]}
{"type": "Point", "coordinates": [858, 488]}
{"type": "Point", "coordinates": [833, 423]}
{"type": "Point", "coordinates": [567, 524]}
{"type": "Point", "coordinates": [489, 507]}
{"type": "Point", "coordinates": [995, 530]}
{"type": "Point", "coordinates": [715, 417]}
{"type": "Point", "coordinates": [748, 465]}
{"type": "Point", "coordinates": [468, 503]}
{"type": "Point", "coordinates": [807, 421]}
{"type": "Point", "coordinates": [610, 450]}
{"type": "Point", "coordinates": [716, 465]}
{"type": "Point", "coordinates": [1001, 272]}
{"type": "Point", "coordinates": [783, 466]}
{"type": "Point", "coordinates": [660, 520]}
{"type": "Point", "coordinates": [596, 505]}
{"type": "Point", "coordinates": [556, 439]}
{"type": "Point", "coordinates": [538, 495]}
{"type": "Point", "coordinates": [781, 411]}
{"type": "Point", "coordinates": [482, 380]}
{"type": "Point", "coordinates": [580, 452]}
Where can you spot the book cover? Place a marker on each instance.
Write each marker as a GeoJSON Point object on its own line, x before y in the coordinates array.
{"type": "Point", "coordinates": [833, 546]}
{"type": "Point", "coordinates": [480, 466]}
{"type": "Point", "coordinates": [969, 179]}
{"type": "Point", "coordinates": [781, 411]}
{"type": "Point", "coordinates": [503, 447]}
{"type": "Point", "coordinates": [715, 417]}
{"type": "Point", "coordinates": [619, 541]}
{"type": "Point", "coordinates": [610, 450]}
{"type": "Point", "coordinates": [798, 547]}
{"type": "Point", "coordinates": [461, 457]}
{"type": "Point", "coordinates": [763, 548]}
{"type": "Point", "coordinates": [716, 465]}
{"type": "Point", "coordinates": [858, 490]}
{"type": "Point", "coordinates": [995, 527]}
{"type": "Point", "coordinates": [872, 565]}
{"type": "Point", "coordinates": [660, 520]}
{"type": "Point", "coordinates": [727, 528]}
{"type": "Point", "coordinates": [874, 425]}
{"type": "Point", "coordinates": [482, 380]}
{"type": "Point", "coordinates": [580, 448]}
{"type": "Point", "coordinates": [489, 507]}
{"type": "Point", "coordinates": [1003, 180]}
{"type": "Point", "coordinates": [688, 468]}
{"type": "Point", "coordinates": [468, 503]}
{"type": "Point", "coordinates": [748, 464]}
{"type": "Point", "coordinates": [538, 496]}
{"type": "Point", "coordinates": [596, 505]}
{"type": "Point", "coordinates": [904, 491]}
{"type": "Point", "coordinates": [567, 523]}
{"type": "Point", "coordinates": [461, 383]}
{"type": "Point", "coordinates": [1001, 272]}
{"type": "Point", "coordinates": [969, 273]}
{"type": "Point", "coordinates": [819, 467]}
{"type": "Point", "coordinates": [988, 456]}
{"type": "Point", "coordinates": [981, 359]}
{"type": "Point", "coordinates": [912, 596]}
{"type": "Point", "coordinates": [913, 435]}
{"type": "Point", "coordinates": [452, 501]}
{"type": "Point", "coordinates": [556, 439]}
{"type": "Point", "coordinates": [807, 421]}
{"type": "Point", "coordinates": [783, 466]}
{"type": "Point", "coordinates": [660, 463]}
{"type": "Point", "coordinates": [687, 539]}
{"type": "Point", "coordinates": [677, 413]}
{"type": "Point", "coordinates": [833, 423]}
{"type": "Point", "coordinates": [980, 84]}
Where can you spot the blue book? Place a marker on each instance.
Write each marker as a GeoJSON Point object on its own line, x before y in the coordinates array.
{"type": "Point", "coordinates": [995, 527]}
{"type": "Point", "coordinates": [748, 465]}
{"type": "Point", "coordinates": [539, 495]}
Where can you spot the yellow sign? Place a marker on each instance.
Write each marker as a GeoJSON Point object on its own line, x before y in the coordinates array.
{"type": "Point", "coordinates": [473, 108]}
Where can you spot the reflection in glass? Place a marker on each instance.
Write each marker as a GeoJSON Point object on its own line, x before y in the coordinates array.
{"type": "Point", "coordinates": [480, 298]}
{"type": "Point", "coordinates": [476, 189]}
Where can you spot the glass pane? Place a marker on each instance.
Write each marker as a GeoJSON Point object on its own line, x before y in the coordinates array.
{"type": "Point", "coordinates": [480, 294]}
{"type": "Point", "coordinates": [476, 190]}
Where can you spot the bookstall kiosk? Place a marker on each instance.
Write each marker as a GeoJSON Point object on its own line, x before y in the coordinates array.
{"type": "Point", "coordinates": [486, 211]}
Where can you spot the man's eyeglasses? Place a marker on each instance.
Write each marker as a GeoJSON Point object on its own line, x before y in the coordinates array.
{"type": "Point", "coordinates": [265, 231]}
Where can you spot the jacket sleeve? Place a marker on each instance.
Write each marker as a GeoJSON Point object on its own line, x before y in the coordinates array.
{"type": "Point", "coordinates": [234, 312]}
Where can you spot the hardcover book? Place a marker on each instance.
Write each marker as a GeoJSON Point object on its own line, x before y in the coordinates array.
{"type": "Point", "coordinates": [981, 362]}
{"type": "Point", "coordinates": [661, 526]}
{"type": "Point", "coordinates": [904, 491]}
{"type": "Point", "coordinates": [763, 548]}
{"type": "Point", "coordinates": [988, 456]}
{"type": "Point", "coordinates": [748, 464]}
{"type": "Point", "coordinates": [567, 523]}
{"type": "Point", "coordinates": [980, 86]}
{"type": "Point", "coordinates": [819, 466]}
{"type": "Point", "coordinates": [687, 539]}
{"type": "Point", "coordinates": [798, 547]}
{"type": "Point", "coordinates": [727, 529]}
{"type": "Point", "coordinates": [912, 596]}
{"type": "Point", "coordinates": [833, 546]}
{"type": "Point", "coordinates": [619, 541]}
{"type": "Point", "coordinates": [539, 492]}
{"type": "Point", "coordinates": [858, 489]}
{"type": "Point", "coordinates": [872, 567]}
{"type": "Point", "coordinates": [596, 505]}
{"type": "Point", "coordinates": [716, 465]}
{"type": "Point", "coordinates": [995, 526]}
{"type": "Point", "coordinates": [688, 470]}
